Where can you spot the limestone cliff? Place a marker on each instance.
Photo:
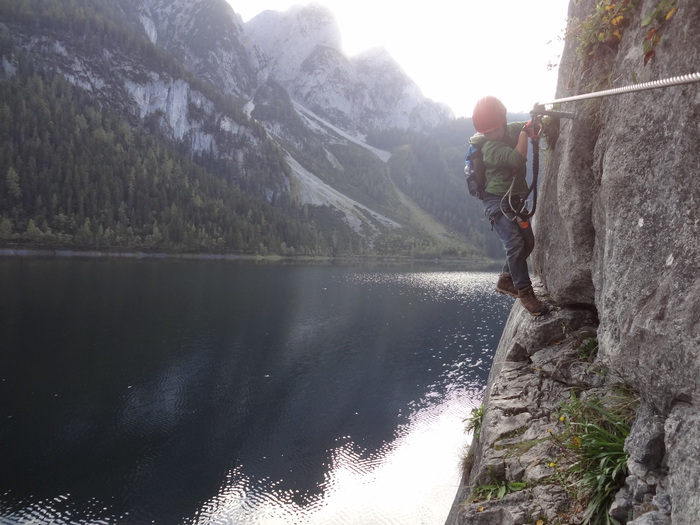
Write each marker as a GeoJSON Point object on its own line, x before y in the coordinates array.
{"type": "Point", "coordinates": [618, 254]}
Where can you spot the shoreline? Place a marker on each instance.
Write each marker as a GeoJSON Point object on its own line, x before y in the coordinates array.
{"type": "Point", "coordinates": [472, 264]}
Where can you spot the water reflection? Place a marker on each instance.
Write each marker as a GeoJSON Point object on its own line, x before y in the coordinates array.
{"type": "Point", "coordinates": [213, 392]}
{"type": "Point", "coordinates": [410, 480]}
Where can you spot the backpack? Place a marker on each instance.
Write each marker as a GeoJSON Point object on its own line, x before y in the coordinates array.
{"type": "Point", "coordinates": [475, 172]}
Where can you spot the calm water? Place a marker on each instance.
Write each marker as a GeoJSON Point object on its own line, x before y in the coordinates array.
{"type": "Point", "coordinates": [169, 392]}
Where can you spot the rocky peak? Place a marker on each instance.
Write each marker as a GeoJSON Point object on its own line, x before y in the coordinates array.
{"type": "Point", "coordinates": [302, 50]}
{"type": "Point", "coordinates": [288, 39]}
{"type": "Point", "coordinates": [378, 70]}
{"type": "Point", "coordinates": [207, 37]}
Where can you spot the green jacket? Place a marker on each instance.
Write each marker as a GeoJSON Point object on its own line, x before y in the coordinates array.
{"type": "Point", "coordinates": [503, 162]}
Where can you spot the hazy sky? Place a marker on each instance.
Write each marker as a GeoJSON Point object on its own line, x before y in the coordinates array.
{"type": "Point", "coordinates": [456, 51]}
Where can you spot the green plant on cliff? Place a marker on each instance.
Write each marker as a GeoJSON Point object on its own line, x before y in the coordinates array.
{"type": "Point", "coordinates": [600, 33]}
{"type": "Point", "coordinates": [474, 421]}
{"type": "Point", "coordinates": [588, 349]}
{"type": "Point", "coordinates": [655, 21]}
{"type": "Point", "coordinates": [497, 489]}
{"type": "Point", "coordinates": [593, 448]}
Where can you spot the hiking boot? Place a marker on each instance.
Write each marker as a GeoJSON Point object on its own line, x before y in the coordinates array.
{"type": "Point", "coordinates": [530, 301]}
{"type": "Point", "coordinates": [505, 285]}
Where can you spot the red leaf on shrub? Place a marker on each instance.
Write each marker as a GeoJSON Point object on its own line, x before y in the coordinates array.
{"type": "Point", "coordinates": [649, 56]}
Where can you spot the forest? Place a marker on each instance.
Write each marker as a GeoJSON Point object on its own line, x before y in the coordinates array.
{"type": "Point", "coordinates": [75, 175]}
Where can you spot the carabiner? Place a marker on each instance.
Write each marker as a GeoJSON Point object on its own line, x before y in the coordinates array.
{"type": "Point", "coordinates": [537, 120]}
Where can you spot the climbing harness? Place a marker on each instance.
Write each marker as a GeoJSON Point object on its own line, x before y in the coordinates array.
{"type": "Point", "coordinates": [519, 205]}
{"type": "Point", "coordinates": [539, 111]}
{"type": "Point", "coordinates": [523, 214]}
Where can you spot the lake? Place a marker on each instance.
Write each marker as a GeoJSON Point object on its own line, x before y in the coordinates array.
{"type": "Point", "coordinates": [176, 391]}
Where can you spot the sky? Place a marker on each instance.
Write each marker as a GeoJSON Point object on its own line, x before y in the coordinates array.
{"type": "Point", "coordinates": [455, 51]}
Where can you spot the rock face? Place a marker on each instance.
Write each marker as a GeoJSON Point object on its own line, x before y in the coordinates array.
{"type": "Point", "coordinates": [618, 231]}
{"type": "Point", "coordinates": [534, 368]}
{"type": "Point", "coordinates": [620, 226]}
{"type": "Point", "coordinates": [207, 37]}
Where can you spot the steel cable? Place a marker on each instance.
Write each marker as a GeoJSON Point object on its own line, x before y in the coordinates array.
{"type": "Point", "coordinates": [539, 110]}
{"type": "Point", "coordinates": [654, 84]}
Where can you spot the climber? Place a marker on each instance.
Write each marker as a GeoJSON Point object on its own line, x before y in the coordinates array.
{"type": "Point", "coordinates": [504, 146]}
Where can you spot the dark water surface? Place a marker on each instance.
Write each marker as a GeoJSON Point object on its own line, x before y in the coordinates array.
{"type": "Point", "coordinates": [184, 391]}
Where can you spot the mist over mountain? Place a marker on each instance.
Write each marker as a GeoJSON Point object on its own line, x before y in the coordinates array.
{"type": "Point", "coordinates": [170, 125]}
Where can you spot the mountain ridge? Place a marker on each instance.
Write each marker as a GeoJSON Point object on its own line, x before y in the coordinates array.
{"type": "Point", "coordinates": [191, 74]}
{"type": "Point", "coordinates": [305, 56]}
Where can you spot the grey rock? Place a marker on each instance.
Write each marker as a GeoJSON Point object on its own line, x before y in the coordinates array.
{"type": "Point", "coordinates": [496, 425]}
{"type": "Point", "coordinates": [537, 473]}
{"type": "Point", "coordinates": [645, 444]}
{"type": "Point", "coordinates": [517, 354]}
{"type": "Point", "coordinates": [622, 506]}
{"type": "Point", "coordinates": [564, 363]}
{"type": "Point", "coordinates": [492, 468]}
{"type": "Point", "coordinates": [663, 503]}
{"type": "Point", "coordinates": [639, 489]}
{"type": "Point", "coordinates": [551, 498]}
{"type": "Point", "coordinates": [682, 460]}
{"type": "Point", "coordinates": [506, 511]}
{"type": "Point", "coordinates": [651, 518]}
{"type": "Point", "coordinates": [551, 328]}
{"type": "Point", "coordinates": [496, 516]}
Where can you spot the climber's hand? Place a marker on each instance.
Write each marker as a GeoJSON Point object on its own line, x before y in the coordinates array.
{"type": "Point", "coordinates": [532, 129]}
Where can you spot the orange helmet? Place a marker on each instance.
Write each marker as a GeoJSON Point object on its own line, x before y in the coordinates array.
{"type": "Point", "coordinates": [489, 114]}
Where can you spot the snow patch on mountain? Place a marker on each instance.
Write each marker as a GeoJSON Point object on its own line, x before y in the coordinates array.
{"type": "Point", "coordinates": [317, 123]}
{"type": "Point", "coordinates": [315, 192]}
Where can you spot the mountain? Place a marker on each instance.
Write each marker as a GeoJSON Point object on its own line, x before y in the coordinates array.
{"type": "Point", "coordinates": [206, 37]}
{"type": "Point", "coordinates": [173, 126]}
{"type": "Point", "coordinates": [368, 91]}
